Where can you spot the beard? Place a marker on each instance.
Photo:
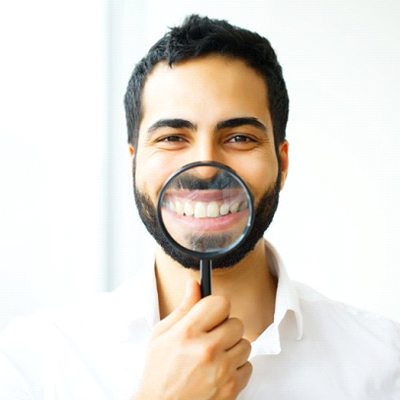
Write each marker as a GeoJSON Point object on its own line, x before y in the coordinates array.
{"type": "Point", "coordinates": [263, 216]}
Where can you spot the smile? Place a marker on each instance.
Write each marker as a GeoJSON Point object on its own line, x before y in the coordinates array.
{"type": "Point", "coordinates": [204, 204]}
{"type": "Point", "coordinates": [205, 210]}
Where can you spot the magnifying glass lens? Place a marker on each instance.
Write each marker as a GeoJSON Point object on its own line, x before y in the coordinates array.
{"type": "Point", "coordinates": [205, 209]}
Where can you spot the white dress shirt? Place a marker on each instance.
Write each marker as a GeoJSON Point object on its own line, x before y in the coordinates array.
{"type": "Point", "coordinates": [316, 349]}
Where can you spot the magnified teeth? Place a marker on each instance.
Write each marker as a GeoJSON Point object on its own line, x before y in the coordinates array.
{"type": "Point", "coordinates": [234, 207]}
{"type": "Point", "coordinates": [179, 207]}
{"type": "Point", "coordinates": [200, 210]}
{"type": "Point", "coordinates": [224, 209]}
{"type": "Point", "coordinates": [188, 209]}
{"type": "Point", "coordinates": [213, 209]}
{"type": "Point", "coordinates": [242, 206]}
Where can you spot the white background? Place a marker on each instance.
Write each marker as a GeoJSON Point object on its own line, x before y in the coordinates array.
{"type": "Point", "coordinates": [68, 227]}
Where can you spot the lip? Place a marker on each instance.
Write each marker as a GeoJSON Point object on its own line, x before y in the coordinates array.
{"type": "Point", "coordinates": [219, 224]}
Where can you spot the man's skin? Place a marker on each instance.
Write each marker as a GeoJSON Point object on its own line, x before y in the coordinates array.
{"type": "Point", "coordinates": [200, 348]}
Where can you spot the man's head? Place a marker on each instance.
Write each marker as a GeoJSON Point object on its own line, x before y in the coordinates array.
{"type": "Point", "coordinates": [208, 91]}
{"type": "Point", "coordinates": [201, 36]}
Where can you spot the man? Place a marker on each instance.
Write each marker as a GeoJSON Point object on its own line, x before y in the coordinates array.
{"type": "Point", "coordinates": [207, 91]}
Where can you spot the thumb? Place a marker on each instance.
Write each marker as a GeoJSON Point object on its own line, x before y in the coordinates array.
{"type": "Point", "coordinates": [191, 297]}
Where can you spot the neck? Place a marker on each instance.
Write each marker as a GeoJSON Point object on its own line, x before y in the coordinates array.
{"type": "Point", "coordinates": [248, 285]}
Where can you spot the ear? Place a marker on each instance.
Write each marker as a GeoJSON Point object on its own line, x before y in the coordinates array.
{"type": "Point", "coordinates": [284, 161]}
{"type": "Point", "coordinates": [131, 150]}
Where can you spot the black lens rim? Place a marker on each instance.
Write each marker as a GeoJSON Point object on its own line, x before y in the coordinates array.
{"type": "Point", "coordinates": [212, 254]}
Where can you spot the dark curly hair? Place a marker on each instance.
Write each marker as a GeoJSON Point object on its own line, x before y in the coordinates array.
{"type": "Point", "coordinates": [200, 36]}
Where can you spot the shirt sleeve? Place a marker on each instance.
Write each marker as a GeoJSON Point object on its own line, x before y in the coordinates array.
{"type": "Point", "coordinates": [12, 384]}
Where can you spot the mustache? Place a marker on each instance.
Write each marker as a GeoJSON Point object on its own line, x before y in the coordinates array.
{"type": "Point", "coordinates": [221, 180]}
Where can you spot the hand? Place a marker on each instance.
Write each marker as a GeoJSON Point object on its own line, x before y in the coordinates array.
{"type": "Point", "coordinates": [197, 352]}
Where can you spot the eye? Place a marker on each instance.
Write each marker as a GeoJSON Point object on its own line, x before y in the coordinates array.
{"type": "Point", "coordinates": [240, 139]}
{"type": "Point", "coordinates": [171, 141]}
{"type": "Point", "coordinates": [171, 138]}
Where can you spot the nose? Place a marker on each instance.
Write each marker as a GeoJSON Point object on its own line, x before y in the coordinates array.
{"type": "Point", "coordinates": [207, 148]}
{"type": "Point", "coordinates": [207, 172]}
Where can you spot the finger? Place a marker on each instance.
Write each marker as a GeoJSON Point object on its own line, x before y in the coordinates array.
{"type": "Point", "coordinates": [239, 354]}
{"type": "Point", "coordinates": [228, 333]}
{"type": "Point", "coordinates": [236, 383]}
{"type": "Point", "coordinates": [243, 375]}
{"type": "Point", "coordinates": [191, 297]}
{"type": "Point", "coordinates": [208, 313]}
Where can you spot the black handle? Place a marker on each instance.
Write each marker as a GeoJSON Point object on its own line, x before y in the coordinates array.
{"type": "Point", "coordinates": [205, 273]}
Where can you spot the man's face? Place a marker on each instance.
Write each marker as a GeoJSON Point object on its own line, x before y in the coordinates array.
{"type": "Point", "coordinates": [208, 109]}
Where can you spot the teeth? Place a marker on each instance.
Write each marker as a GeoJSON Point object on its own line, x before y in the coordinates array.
{"type": "Point", "coordinates": [179, 207]}
{"type": "Point", "coordinates": [188, 209]}
{"type": "Point", "coordinates": [200, 210]}
{"type": "Point", "coordinates": [234, 207]}
{"type": "Point", "coordinates": [224, 209]}
{"type": "Point", "coordinates": [243, 205]}
{"type": "Point", "coordinates": [213, 209]}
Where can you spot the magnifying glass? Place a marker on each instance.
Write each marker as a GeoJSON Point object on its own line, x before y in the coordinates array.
{"type": "Point", "coordinates": [205, 210]}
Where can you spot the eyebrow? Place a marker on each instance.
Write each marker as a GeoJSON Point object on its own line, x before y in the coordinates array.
{"type": "Point", "coordinates": [235, 122]}
{"type": "Point", "coordinates": [175, 123]}
{"type": "Point", "coordinates": [178, 123]}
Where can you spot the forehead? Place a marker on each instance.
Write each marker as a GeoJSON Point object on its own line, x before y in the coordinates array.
{"type": "Point", "coordinates": [204, 89]}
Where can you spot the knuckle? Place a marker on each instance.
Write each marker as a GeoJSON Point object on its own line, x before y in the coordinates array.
{"type": "Point", "coordinates": [187, 332]}
{"type": "Point", "coordinates": [221, 303]}
{"type": "Point", "coordinates": [249, 369]}
{"type": "Point", "coordinates": [222, 372]}
{"type": "Point", "coordinates": [246, 346]}
{"type": "Point", "coordinates": [231, 387]}
{"type": "Point", "coordinates": [237, 325]}
{"type": "Point", "coordinates": [208, 353]}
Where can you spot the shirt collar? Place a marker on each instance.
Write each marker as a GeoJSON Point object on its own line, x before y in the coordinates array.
{"type": "Point", "coordinates": [286, 294]}
{"type": "Point", "coordinates": [136, 301]}
{"type": "Point", "coordinates": [288, 318]}
{"type": "Point", "coordinates": [138, 304]}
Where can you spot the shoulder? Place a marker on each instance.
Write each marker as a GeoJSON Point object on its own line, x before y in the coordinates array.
{"type": "Point", "coordinates": [32, 339]}
{"type": "Point", "coordinates": [318, 309]}
{"type": "Point", "coordinates": [83, 346]}
{"type": "Point", "coordinates": [315, 304]}
{"type": "Point", "coordinates": [97, 315]}
{"type": "Point", "coordinates": [356, 335]}
{"type": "Point", "coordinates": [63, 341]}
{"type": "Point", "coordinates": [362, 347]}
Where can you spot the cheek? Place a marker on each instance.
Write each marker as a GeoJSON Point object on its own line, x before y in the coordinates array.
{"type": "Point", "coordinates": [260, 174]}
{"type": "Point", "coordinates": [151, 173]}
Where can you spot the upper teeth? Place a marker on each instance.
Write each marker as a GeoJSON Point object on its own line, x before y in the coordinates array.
{"type": "Point", "coordinates": [198, 209]}
{"type": "Point", "coordinates": [188, 209]}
